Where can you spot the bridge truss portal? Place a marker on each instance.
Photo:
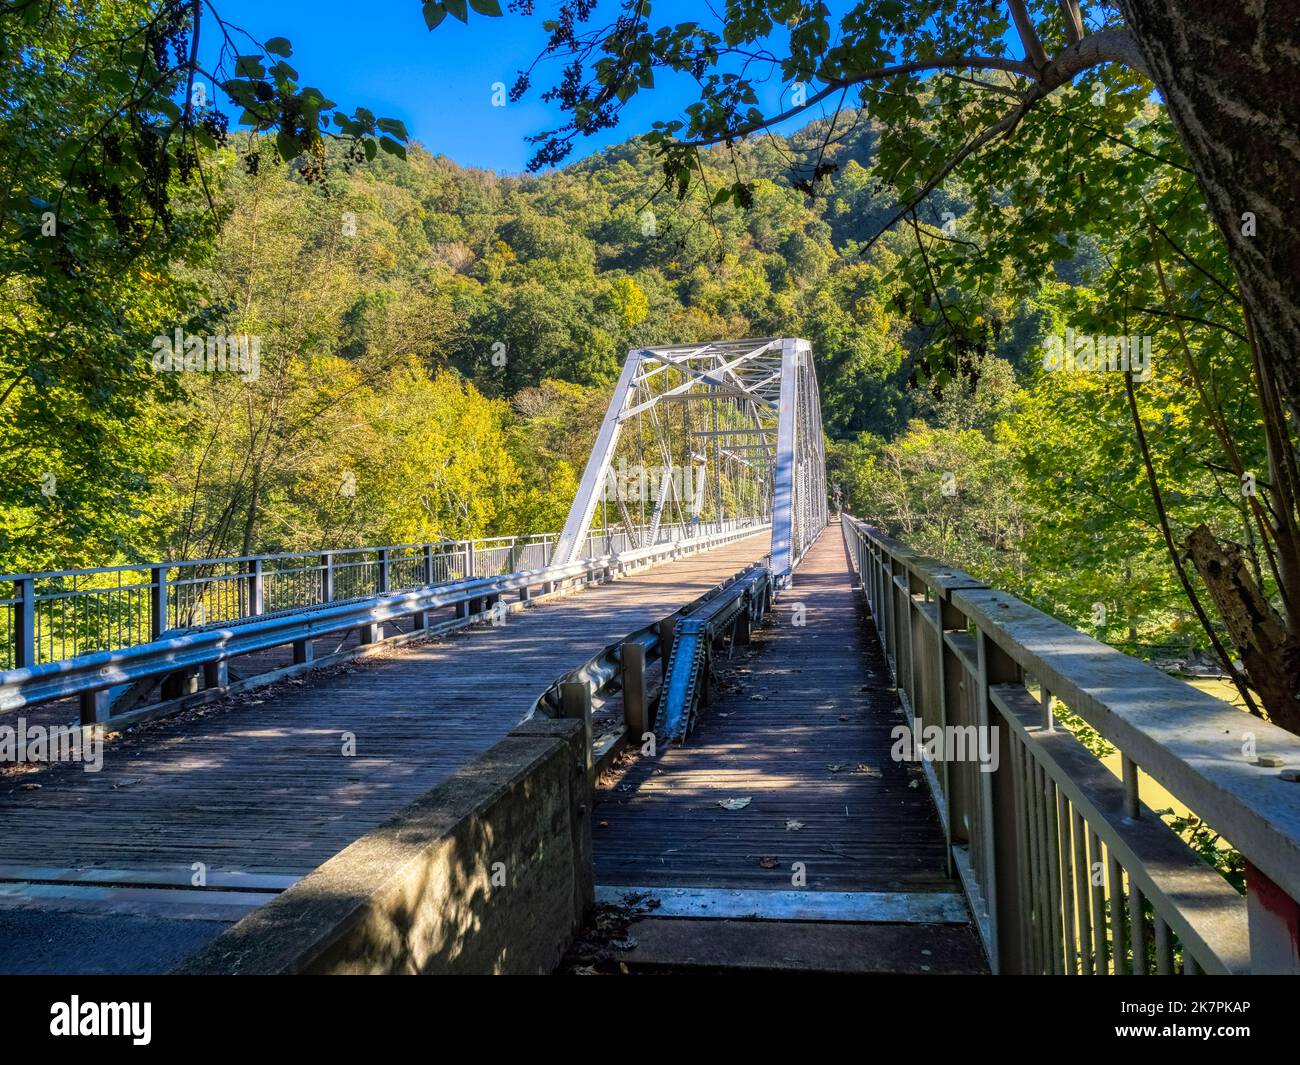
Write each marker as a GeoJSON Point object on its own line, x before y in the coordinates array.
{"type": "Point", "coordinates": [705, 433]}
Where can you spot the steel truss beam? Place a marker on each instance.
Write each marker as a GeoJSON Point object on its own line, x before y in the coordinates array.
{"type": "Point", "coordinates": [747, 411]}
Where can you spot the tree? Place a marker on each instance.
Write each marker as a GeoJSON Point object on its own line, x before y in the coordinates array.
{"type": "Point", "coordinates": [946, 87]}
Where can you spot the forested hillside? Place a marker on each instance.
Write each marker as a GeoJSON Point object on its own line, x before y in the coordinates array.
{"type": "Point", "coordinates": [435, 345]}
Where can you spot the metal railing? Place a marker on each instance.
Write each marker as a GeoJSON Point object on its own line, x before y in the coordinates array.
{"type": "Point", "coordinates": [53, 616]}
{"type": "Point", "coordinates": [93, 677]}
{"type": "Point", "coordinates": [1067, 871]}
{"type": "Point", "coordinates": [683, 643]}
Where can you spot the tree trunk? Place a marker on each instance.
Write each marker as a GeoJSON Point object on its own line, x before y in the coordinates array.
{"type": "Point", "coordinates": [1229, 73]}
{"type": "Point", "coordinates": [1269, 652]}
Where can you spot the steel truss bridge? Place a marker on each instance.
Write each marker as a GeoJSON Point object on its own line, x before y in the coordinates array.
{"type": "Point", "coordinates": [728, 429]}
{"type": "Point", "coordinates": [684, 707]}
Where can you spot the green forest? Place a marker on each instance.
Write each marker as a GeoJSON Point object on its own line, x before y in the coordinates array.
{"type": "Point", "coordinates": [435, 345]}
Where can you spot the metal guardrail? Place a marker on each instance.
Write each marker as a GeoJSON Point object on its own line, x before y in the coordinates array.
{"type": "Point", "coordinates": [57, 615]}
{"type": "Point", "coordinates": [1066, 869]}
{"type": "Point", "coordinates": [92, 677]}
{"type": "Point", "coordinates": [730, 613]}
{"type": "Point", "coordinates": [688, 636]}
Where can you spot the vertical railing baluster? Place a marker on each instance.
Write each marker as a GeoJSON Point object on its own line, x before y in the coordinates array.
{"type": "Point", "coordinates": [1164, 948]}
{"type": "Point", "coordinates": [1044, 893]}
{"type": "Point", "coordinates": [1137, 927]}
{"type": "Point", "coordinates": [1054, 914]}
{"type": "Point", "coordinates": [1087, 947]}
{"type": "Point", "coordinates": [1067, 881]}
{"type": "Point", "coordinates": [1117, 900]}
{"type": "Point", "coordinates": [1097, 880]}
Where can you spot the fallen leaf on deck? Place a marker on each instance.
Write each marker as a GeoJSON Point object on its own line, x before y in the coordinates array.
{"type": "Point", "coordinates": [769, 861]}
{"type": "Point", "coordinates": [793, 826]}
{"type": "Point", "coordinates": [734, 804]}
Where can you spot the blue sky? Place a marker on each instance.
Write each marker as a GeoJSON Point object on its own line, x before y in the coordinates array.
{"type": "Point", "coordinates": [379, 55]}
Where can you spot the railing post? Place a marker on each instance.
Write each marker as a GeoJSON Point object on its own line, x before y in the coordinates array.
{"type": "Point", "coordinates": [95, 706]}
{"type": "Point", "coordinates": [1273, 919]}
{"type": "Point", "coordinates": [575, 704]}
{"type": "Point", "coordinates": [428, 564]}
{"type": "Point", "coordinates": [25, 623]}
{"type": "Point", "coordinates": [1000, 831]}
{"type": "Point", "coordinates": [216, 674]}
{"type": "Point", "coordinates": [383, 570]}
{"type": "Point", "coordinates": [667, 632]}
{"type": "Point", "coordinates": [157, 601]}
{"type": "Point", "coordinates": [328, 576]}
{"type": "Point", "coordinates": [469, 558]}
{"type": "Point", "coordinates": [632, 662]}
{"type": "Point", "coordinates": [950, 679]}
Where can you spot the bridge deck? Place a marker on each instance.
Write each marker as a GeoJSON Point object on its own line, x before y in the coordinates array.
{"type": "Point", "coordinates": [802, 731]}
{"type": "Point", "coordinates": [258, 784]}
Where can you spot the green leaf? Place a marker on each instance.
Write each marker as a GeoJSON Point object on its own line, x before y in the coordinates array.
{"type": "Point", "coordinates": [457, 9]}
{"type": "Point", "coordinates": [287, 146]}
{"type": "Point", "coordinates": [250, 66]}
{"type": "Point", "coordinates": [392, 147]}
{"type": "Point", "coordinates": [279, 46]}
{"type": "Point", "coordinates": [491, 8]}
{"type": "Point", "coordinates": [434, 13]}
{"type": "Point", "coordinates": [393, 126]}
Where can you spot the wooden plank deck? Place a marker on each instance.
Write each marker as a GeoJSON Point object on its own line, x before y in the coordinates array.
{"type": "Point", "coordinates": [259, 783]}
{"type": "Point", "coordinates": [833, 859]}
{"type": "Point", "coordinates": [801, 730]}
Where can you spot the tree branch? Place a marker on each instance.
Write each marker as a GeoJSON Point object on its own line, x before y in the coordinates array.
{"type": "Point", "coordinates": [918, 66]}
{"type": "Point", "coordinates": [1073, 20]}
{"type": "Point", "coordinates": [1034, 51]}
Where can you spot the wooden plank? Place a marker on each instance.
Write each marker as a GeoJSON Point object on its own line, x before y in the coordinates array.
{"type": "Point", "coordinates": [850, 907]}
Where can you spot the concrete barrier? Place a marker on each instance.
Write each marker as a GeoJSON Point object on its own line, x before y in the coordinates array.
{"type": "Point", "coordinates": [490, 872]}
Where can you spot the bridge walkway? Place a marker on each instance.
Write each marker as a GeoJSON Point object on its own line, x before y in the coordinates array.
{"type": "Point", "coordinates": [97, 869]}
{"type": "Point", "coordinates": [786, 805]}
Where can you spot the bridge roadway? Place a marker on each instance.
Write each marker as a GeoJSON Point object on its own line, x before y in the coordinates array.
{"type": "Point", "coordinates": [96, 869]}
{"type": "Point", "coordinates": [833, 842]}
